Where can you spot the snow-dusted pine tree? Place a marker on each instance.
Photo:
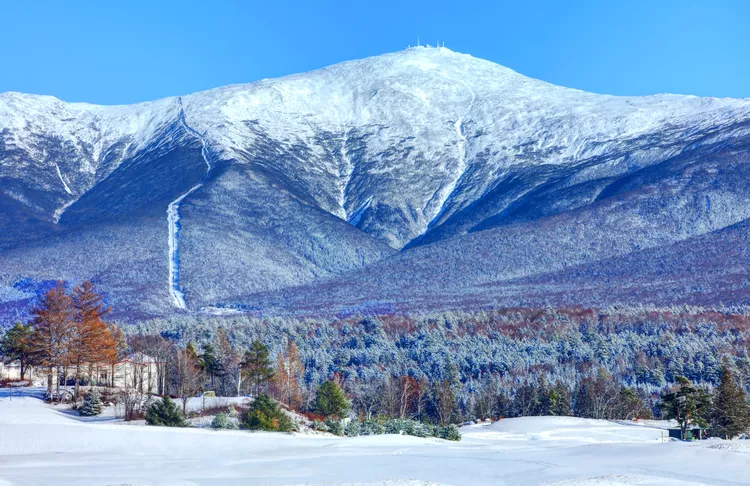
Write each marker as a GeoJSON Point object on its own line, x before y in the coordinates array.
{"type": "Point", "coordinates": [92, 404]}
{"type": "Point", "coordinates": [730, 411]}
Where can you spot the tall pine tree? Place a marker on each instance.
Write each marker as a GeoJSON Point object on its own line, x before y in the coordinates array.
{"type": "Point", "coordinates": [688, 405]}
{"type": "Point", "coordinates": [211, 364]}
{"type": "Point", "coordinates": [730, 413]}
{"type": "Point", "coordinates": [257, 367]}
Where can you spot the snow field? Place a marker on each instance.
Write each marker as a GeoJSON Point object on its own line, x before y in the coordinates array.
{"type": "Point", "coordinates": [41, 444]}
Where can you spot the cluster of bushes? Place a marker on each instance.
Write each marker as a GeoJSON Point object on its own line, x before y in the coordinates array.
{"type": "Point", "coordinates": [354, 428]}
{"type": "Point", "coordinates": [264, 414]}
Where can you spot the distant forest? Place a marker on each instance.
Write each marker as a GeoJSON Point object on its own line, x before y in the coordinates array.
{"type": "Point", "coordinates": [505, 362]}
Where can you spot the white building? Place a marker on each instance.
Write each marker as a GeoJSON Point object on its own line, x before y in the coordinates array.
{"type": "Point", "coordinates": [138, 371]}
{"type": "Point", "coordinates": [12, 371]}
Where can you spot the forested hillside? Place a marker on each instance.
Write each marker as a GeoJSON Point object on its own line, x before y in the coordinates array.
{"type": "Point", "coordinates": [491, 357]}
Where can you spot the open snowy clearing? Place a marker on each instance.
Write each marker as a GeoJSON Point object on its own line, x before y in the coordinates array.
{"type": "Point", "coordinates": [43, 445]}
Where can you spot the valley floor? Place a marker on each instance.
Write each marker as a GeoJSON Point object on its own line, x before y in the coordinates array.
{"type": "Point", "coordinates": [44, 445]}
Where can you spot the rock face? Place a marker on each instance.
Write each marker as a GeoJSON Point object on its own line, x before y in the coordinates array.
{"type": "Point", "coordinates": [411, 180]}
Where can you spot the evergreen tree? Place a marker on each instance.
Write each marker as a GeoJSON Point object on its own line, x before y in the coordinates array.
{"type": "Point", "coordinates": [688, 405]}
{"type": "Point", "coordinates": [444, 400]}
{"type": "Point", "coordinates": [16, 345]}
{"type": "Point", "coordinates": [165, 412]}
{"type": "Point", "coordinates": [265, 414]}
{"type": "Point", "coordinates": [331, 401]}
{"type": "Point", "coordinates": [730, 413]}
{"type": "Point", "coordinates": [559, 400]}
{"type": "Point", "coordinates": [211, 364]}
{"type": "Point", "coordinates": [92, 404]}
{"type": "Point", "coordinates": [190, 349]}
{"type": "Point", "coordinates": [531, 400]}
{"type": "Point", "coordinates": [257, 366]}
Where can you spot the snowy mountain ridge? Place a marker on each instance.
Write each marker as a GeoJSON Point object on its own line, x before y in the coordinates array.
{"type": "Point", "coordinates": [398, 150]}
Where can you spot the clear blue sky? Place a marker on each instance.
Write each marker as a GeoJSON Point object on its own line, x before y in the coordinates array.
{"type": "Point", "coordinates": [125, 51]}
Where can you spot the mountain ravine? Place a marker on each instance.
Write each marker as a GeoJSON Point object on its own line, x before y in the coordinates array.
{"type": "Point", "coordinates": [410, 181]}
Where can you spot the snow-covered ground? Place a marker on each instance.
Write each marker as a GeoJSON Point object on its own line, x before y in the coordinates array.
{"type": "Point", "coordinates": [43, 445]}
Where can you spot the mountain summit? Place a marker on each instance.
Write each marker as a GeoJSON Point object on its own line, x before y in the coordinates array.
{"type": "Point", "coordinates": [411, 180]}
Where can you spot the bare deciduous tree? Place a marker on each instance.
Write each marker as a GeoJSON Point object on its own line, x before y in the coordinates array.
{"type": "Point", "coordinates": [289, 369]}
{"type": "Point", "coordinates": [189, 377]}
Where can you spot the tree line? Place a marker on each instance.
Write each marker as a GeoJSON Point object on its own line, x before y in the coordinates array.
{"type": "Point", "coordinates": [440, 368]}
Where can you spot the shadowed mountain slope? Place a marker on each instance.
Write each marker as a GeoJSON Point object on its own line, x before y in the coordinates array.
{"type": "Point", "coordinates": [416, 179]}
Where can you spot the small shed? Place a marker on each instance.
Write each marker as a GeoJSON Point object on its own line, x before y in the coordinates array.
{"type": "Point", "coordinates": [692, 433]}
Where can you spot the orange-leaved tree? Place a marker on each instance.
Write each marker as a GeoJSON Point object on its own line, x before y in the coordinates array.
{"type": "Point", "coordinates": [289, 369]}
{"type": "Point", "coordinates": [92, 343]}
{"type": "Point", "coordinates": [53, 322]}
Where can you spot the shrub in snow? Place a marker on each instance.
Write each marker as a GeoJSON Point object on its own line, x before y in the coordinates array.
{"type": "Point", "coordinates": [399, 426]}
{"type": "Point", "coordinates": [222, 421]}
{"type": "Point", "coordinates": [410, 427]}
{"type": "Point", "coordinates": [335, 426]}
{"type": "Point", "coordinates": [450, 433]}
{"type": "Point", "coordinates": [352, 429]}
{"type": "Point", "coordinates": [165, 412]}
{"type": "Point", "coordinates": [320, 426]}
{"type": "Point", "coordinates": [92, 404]}
{"type": "Point", "coordinates": [265, 414]}
{"type": "Point", "coordinates": [372, 427]}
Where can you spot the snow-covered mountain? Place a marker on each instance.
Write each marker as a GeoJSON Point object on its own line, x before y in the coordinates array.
{"type": "Point", "coordinates": [422, 176]}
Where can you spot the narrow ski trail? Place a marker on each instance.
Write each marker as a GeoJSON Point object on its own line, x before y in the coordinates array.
{"type": "Point", "coordinates": [173, 217]}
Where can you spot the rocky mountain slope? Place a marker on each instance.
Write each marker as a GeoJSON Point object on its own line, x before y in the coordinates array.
{"type": "Point", "coordinates": [415, 179]}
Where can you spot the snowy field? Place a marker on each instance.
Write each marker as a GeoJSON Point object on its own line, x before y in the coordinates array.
{"type": "Point", "coordinates": [45, 445]}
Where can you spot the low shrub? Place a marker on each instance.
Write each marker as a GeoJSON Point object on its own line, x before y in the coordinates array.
{"type": "Point", "coordinates": [320, 426]}
{"type": "Point", "coordinates": [352, 429]}
{"type": "Point", "coordinates": [371, 427]}
{"type": "Point", "coordinates": [450, 432]}
{"type": "Point", "coordinates": [166, 413]}
{"type": "Point", "coordinates": [336, 427]}
{"type": "Point", "coordinates": [391, 426]}
{"type": "Point", "coordinates": [222, 421]}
